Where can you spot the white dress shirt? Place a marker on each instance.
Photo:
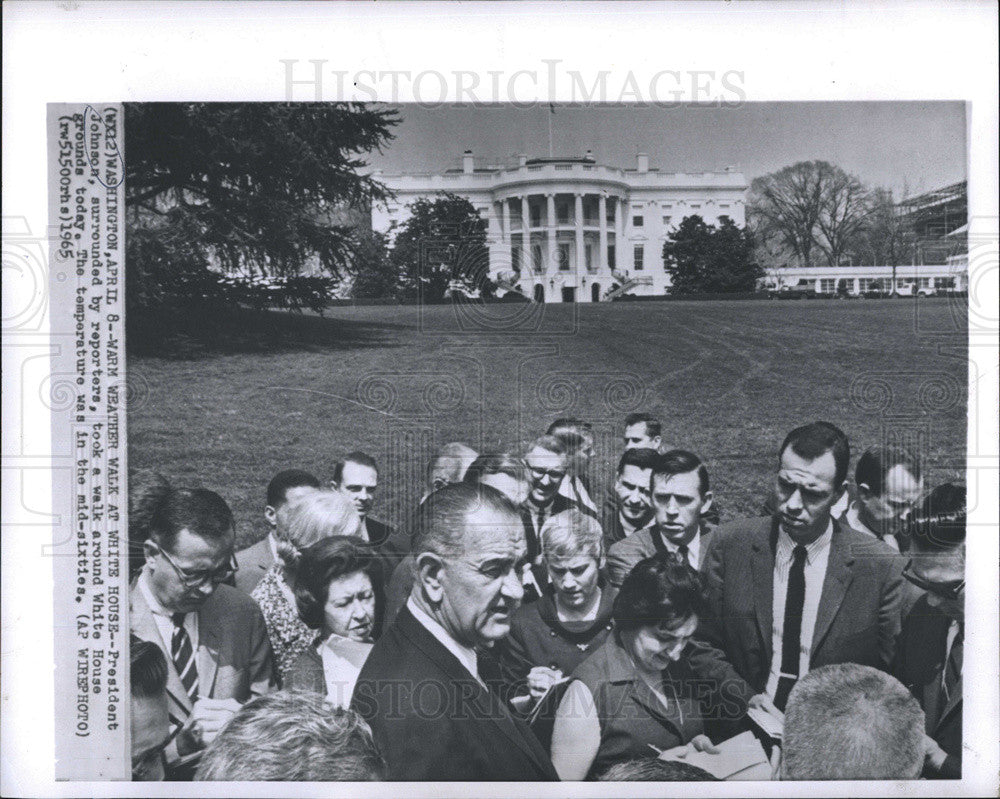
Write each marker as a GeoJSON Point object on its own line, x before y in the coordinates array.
{"type": "Point", "coordinates": [342, 662]}
{"type": "Point", "coordinates": [853, 519]}
{"type": "Point", "coordinates": [817, 556]}
{"type": "Point", "coordinates": [466, 656]}
{"type": "Point", "coordinates": [164, 618]}
{"type": "Point", "coordinates": [694, 549]}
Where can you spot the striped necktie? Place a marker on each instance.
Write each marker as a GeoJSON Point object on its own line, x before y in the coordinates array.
{"type": "Point", "coordinates": [182, 653]}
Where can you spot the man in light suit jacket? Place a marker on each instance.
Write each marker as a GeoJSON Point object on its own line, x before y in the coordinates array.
{"type": "Point", "coordinates": [680, 497]}
{"type": "Point", "coordinates": [801, 589]}
{"type": "Point", "coordinates": [213, 635]}
{"type": "Point", "coordinates": [254, 561]}
{"type": "Point", "coordinates": [425, 689]}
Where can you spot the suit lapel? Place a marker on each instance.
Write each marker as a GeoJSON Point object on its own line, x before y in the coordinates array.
{"type": "Point", "coordinates": [762, 579]}
{"type": "Point", "coordinates": [144, 626]}
{"type": "Point", "coordinates": [209, 637]}
{"type": "Point", "coordinates": [839, 573]}
{"type": "Point", "coordinates": [488, 706]}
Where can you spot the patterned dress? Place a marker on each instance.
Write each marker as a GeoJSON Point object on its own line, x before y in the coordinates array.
{"type": "Point", "coordinates": [288, 633]}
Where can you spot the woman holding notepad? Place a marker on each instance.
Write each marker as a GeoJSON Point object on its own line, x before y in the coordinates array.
{"type": "Point", "coordinates": [647, 688]}
{"type": "Point", "coordinates": [549, 638]}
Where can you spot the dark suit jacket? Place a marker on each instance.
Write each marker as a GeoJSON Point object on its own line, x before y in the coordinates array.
{"type": "Point", "coordinates": [612, 523]}
{"type": "Point", "coordinates": [644, 543]}
{"type": "Point", "coordinates": [859, 609]}
{"type": "Point", "coordinates": [254, 561]}
{"type": "Point", "coordinates": [919, 665]}
{"type": "Point", "coordinates": [233, 658]}
{"type": "Point", "coordinates": [433, 721]}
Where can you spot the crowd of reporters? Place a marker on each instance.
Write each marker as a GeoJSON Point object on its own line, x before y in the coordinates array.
{"type": "Point", "coordinates": [521, 630]}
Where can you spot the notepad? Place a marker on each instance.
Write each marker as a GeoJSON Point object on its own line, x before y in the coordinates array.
{"type": "Point", "coordinates": [739, 758]}
{"type": "Point", "coordinates": [770, 725]}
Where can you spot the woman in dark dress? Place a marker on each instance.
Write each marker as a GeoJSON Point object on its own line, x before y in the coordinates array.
{"type": "Point", "coordinates": [649, 684]}
{"type": "Point", "coordinates": [549, 638]}
{"type": "Point", "coordinates": [337, 590]}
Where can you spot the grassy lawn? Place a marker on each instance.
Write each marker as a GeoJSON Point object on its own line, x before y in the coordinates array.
{"type": "Point", "coordinates": [728, 378]}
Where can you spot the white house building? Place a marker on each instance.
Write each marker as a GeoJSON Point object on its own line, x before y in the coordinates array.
{"type": "Point", "coordinates": [570, 229]}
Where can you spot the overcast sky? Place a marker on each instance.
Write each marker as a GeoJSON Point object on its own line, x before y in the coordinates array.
{"type": "Point", "coordinates": [919, 144]}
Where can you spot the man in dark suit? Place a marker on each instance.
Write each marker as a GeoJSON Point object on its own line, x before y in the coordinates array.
{"type": "Point", "coordinates": [423, 689]}
{"type": "Point", "coordinates": [213, 635]}
{"type": "Point", "coordinates": [889, 483]}
{"type": "Point", "coordinates": [254, 561]}
{"type": "Point", "coordinates": [631, 509]}
{"type": "Point", "coordinates": [356, 477]}
{"type": "Point", "coordinates": [802, 590]}
{"type": "Point", "coordinates": [680, 498]}
{"type": "Point", "coordinates": [932, 644]}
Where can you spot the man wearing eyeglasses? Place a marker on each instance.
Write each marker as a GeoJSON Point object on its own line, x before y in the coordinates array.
{"type": "Point", "coordinates": [213, 635]}
{"type": "Point", "coordinates": [932, 643]}
{"type": "Point", "coordinates": [547, 462]}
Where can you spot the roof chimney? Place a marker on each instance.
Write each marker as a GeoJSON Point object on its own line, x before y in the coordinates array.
{"type": "Point", "coordinates": [522, 159]}
{"type": "Point", "coordinates": [467, 162]}
{"type": "Point", "coordinates": [642, 162]}
{"type": "Point", "coordinates": [589, 155]}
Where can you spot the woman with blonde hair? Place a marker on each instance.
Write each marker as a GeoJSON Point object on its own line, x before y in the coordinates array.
{"type": "Point", "coordinates": [315, 515]}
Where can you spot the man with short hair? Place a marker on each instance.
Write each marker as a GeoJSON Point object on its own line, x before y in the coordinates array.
{"type": "Point", "coordinates": [801, 589]}
{"type": "Point", "coordinates": [149, 720]}
{"type": "Point", "coordinates": [642, 431]}
{"type": "Point", "coordinates": [631, 508]}
{"type": "Point", "coordinates": [213, 635]}
{"type": "Point", "coordinates": [424, 687]}
{"type": "Point", "coordinates": [547, 462]}
{"type": "Point", "coordinates": [680, 497]}
{"type": "Point", "coordinates": [254, 561]}
{"type": "Point", "coordinates": [889, 483]}
{"type": "Point", "coordinates": [932, 644]}
{"type": "Point", "coordinates": [851, 722]}
{"type": "Point", "coordinates": [293, 736]}
{"type": "Point", "coordinates": [356, 477]}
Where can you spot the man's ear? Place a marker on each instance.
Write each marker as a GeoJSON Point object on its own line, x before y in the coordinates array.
{"type": "Point", "coordinates": [706, 503]}
{"type": "Point", "coordinates": [271, 514]}
{"type": "Point", "coordinates": [657, 442]}
{"type": "Point", "coordinates": [429, 568]}
{"type": "Point", "coordinates": [864, 491]}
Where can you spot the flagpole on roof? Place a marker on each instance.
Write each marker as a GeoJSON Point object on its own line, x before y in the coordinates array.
{"type": "Point", "coordinates": [552, 111]}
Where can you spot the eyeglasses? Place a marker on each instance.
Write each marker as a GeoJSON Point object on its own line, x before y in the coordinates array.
{"type": "Point", "coordinates": [950, 590]}
{"type": "Point", "coordinates": [146, 764]}
{"type": "Point", "coordinates": [553, 474]}
{"type": "Point", "coordinates": [197, 579]}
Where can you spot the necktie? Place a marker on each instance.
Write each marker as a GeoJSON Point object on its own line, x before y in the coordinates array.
{"type": "Point", "coordinates": [682, 552]}
{"type": "Point", "coordinates": [183, 656]}
{"type": "Point", "coordinates": [953, 666]}
{"type": "Point", "coordinates": [791, 637]}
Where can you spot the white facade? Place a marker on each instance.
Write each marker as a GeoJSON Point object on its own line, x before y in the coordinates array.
{"type": "Point", "coordinates": [952, 276]}
{"type": "Point", "coordinates": [569, 229]}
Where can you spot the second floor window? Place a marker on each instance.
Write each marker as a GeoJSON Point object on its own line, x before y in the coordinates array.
{"type": "Point", "coordinates": [637, 220]}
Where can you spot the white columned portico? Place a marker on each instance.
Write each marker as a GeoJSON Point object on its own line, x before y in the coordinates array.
{"type": "Point", "coordinates": [526, 265]}
{"type": "Point", "coordinates": [505, 217]}
{"type": "Point", "coordinates": [550, 222]}
{"type": "Point", "coordinates": [602, 214]}
{"type": "Point", "coordinates": [619, 213]}
{"type": "Point", "coordinates": [581, 259]}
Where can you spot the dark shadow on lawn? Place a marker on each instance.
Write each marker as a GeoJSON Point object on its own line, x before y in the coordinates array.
{"type": "Point", "coordinates": [193, 334]}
